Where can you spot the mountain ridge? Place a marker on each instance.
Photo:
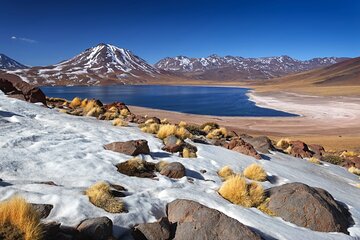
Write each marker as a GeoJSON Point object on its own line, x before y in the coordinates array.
{"type": "Point", "coordinates": [7, 63]}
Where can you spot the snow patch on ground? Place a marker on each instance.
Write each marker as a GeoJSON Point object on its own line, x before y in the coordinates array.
{"type": "Point", "coordinates": [40, 144]}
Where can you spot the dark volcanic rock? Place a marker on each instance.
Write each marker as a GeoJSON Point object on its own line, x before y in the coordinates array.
{"type": "Point", "coordinates": [96, 228]}
{"type": "Point", "coordinates": [133, 147]}
{"type": "Point", "coordinates": [173, 170]}
{"type": "Point", "coordinates": [317, 149]}
{"type": "Point", "coordinates": [243, 147]}
{"type": "Point", "coordinates": [195, 221]}
{"type": "Point", "coordinates": [261, 144]}
{"type": "Point", "coordinates": [22, 90]}
{"type": "Point", "coordinates": [160, 230]}
{"type": "Point", "coordinates": [42, 209]}
{"type": "Point", "coordinates": [137, 168]}
{"type": "Point", "coordinates": [309, 207]}
{"type": "Point", "coordinates": [300, 149]}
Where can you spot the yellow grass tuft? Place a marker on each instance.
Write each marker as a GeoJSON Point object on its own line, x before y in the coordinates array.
{"type": "Point", "coordinates": [165, 121]}
{"type": "Point", "coordinates": [186, 153]}
{"type": "Point", "coordinates": [76, 102]}
{"type": "Point", "coordinates": [263, 207]}
{"type": "Point", "coordinates": [217, 133]}
{"type": "Point", "coordinates": [346, 154]}
{"type": "Point", "coordinates": [84, 103]}
{"type": "Point", "coordinates": [255, 172]}
{"type": "Point", "coordinates": [124, 112]}
{"type": "Point", "coordinates": [169, 129]}
{"type": "Point", "coordinates": [314, 160]}
{"type": "Point", "coordinates": [149, 121]}
{"type": "Point", "coordinates": [94, 112]}
{"type": "Point", "coordinates": [283, 143]}
{"type": "Point", "coordinates": [153, 128]}
{"type": "Point", "coordinates": [207, 128]}
{"type": "Point", "coordinates": [160, 165]}
{"type": "Point", "coordinates": [119, 122]}
{"type": "Point", "coordinates": [182, 124]}
{"type": "Point", "coordinates": [225, 172]}
{"type": "Point", "coordinates": [354, 170]}
{"type": "Point", "coordinates": [22, 217]}
{"type": "Point", "coordinates": [237, 191]}
{"type": "Point", "coordinates": [99, 194]}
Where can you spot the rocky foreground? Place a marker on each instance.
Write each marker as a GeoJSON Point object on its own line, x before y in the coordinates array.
{"type": "Point", "coordinates": [97, 171]}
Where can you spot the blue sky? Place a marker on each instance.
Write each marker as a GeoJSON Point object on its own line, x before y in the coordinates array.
{"type": "Point", "coordinates": [46, 32]}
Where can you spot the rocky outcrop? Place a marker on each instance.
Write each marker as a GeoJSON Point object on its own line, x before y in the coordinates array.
{"type": "Point", "coordinates": [261, 144]}
{"type": "Point", "coordinates": [300, 149]}
{"type": "Point", "coordinates": [309, 207]}
{"type": "Point", "coordinates": [132, 148]}
{"type": "Point", "coordinates": [317, 149]}
{"type": "Point", "coordinates": [173, 170]}
{"type": "Point", "coordinates": [351, 162]}
{"type": "Point", "coordinates": [189, 220]}
{"type": "Point", "coordinates": [239, 145]}
{"type": "Point", "coordinates": [22, 90]}
{"type": "Point", "coordinates": [42, 209]}
{"type": "Point", "coordinates": [196, 221]}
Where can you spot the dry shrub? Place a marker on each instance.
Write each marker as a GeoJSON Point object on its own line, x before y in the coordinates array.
{"type": "Point", "coordinates": [19, 216]}
{"type": "Point", "coordinates": [182, 124]}
{"type": "Point", "coordinates": [119, 122]}
{"type": "Point", "coordinates": [217, 133]}
{"type": "Point", "coordinates": [283, 143]}
{"type": "Point", "coordinates": [186, 153]}
{"type": "Point", "coordinates": [100, 195]}
{"type": "Point", "coordinates": [95, 112]}
{"type": "Point", "coordinates": [84, 103]}
{"type": "Point", "coordinates": [225, 172]}
{"type": "Point", "coordinates": [354, 170]}
{"type": "Point", "coordinates": [164, 121]}
{"type": "Point", "coordinates": [160, 165]}
{"type": "Point", "coordinates": [169, 129]}
{"type": "Point", "coordinates": [152, 128]}
{"type": "Point", "coordinates": [149, 121]}
{"type": "Point", "coordinates": [346, 154]}
{"type": "Point", "coordinates": [76, 102]}
{"type": "Point", "coordinates": [255, 172]}
{"type": "Point", "coordinates": [263, 207]}
{"type": "Point", "coordinates": [314, 160]}
{"type": "Point", "coordinates": [124, 112]}
{"type": "Point", "coordinates": [237, 191]}
{"type": "Point", "coordinates": [333, 159]}
{"type": "Point", "coordinates": [209, 126]}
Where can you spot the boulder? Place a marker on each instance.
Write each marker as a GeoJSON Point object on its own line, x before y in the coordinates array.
{"type": "Point", "coordinates": [351, 162]}
{"type": "Point", "coordinates": [119, 105]}
{"type": "Point", "coordinates": [309, 207]}
{"type": "Point", "coordinates": [96, 228]}
{"type": "Point", "coordinates": [239, 145]}
{"type": "Point", "coordinates": [153, 231]}
{"type": "Point", "coordinates": [317, 149]}
{"type": "Point", "coordinates": [173, 170]}
{"type": "Point", "coordinates": [137, 168]}
{"type": "Point", "coordinates": [132, 148]}
{"type": "Point", "coordinates": [300, 149]}
{"type": "Point", "coordinates": [261, 144]}
{"type": "Point", "coordinates": [22, 90]}
{"type": "Point", "coordinates": [196, 221]}
{"type": "Point", "coordinates": [42, 209]}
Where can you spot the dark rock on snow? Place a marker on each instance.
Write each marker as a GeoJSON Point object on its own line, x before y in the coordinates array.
{"type": "Point", "coordinates": [173, 170]}
{"type": "Point", "coordinates": [160, 230]}
{"type": "Point", "coordinates": [133, 147]}
{"type": "Point", "coordinates": [300, 149]}
{"type": "Point", "coordinates": [96, 228]}
{"type": "Point", "coordinates": [137, 168]}
{"type": "Point", "coordinates": [261, 144]}
{"type": "Point", "coordinates": [42, 209]}
{"type": "Point", "coordinates": [309, 207]}
{"type": "Point", "coordinates": [243, 147]}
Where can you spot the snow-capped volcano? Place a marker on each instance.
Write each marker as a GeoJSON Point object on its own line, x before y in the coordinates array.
{"type": "Point", "coordinates": [108, 58]}
{"type": "Point", "coordinates": [7, 63]}
{"type": "Point", "coordinates": [102, 64]}
{"type": "Point", "coordinates": [232, 67]}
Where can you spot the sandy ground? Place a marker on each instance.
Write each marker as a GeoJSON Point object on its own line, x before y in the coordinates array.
{"type": "Point", "coordinates": [333, 121]}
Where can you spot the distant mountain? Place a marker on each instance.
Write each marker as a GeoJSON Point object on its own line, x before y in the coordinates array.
{"type": "Point", "coordinates": [102, 64]}
{"type": "Point", "coordinates": [345, 73]}
{"type": "Point", "coordinates": [7, 63]}
{"type": "Point", "coordinates": [215, 67]}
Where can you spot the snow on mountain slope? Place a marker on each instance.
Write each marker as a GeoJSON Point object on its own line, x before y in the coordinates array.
{"type": "Point", "coordinates": [40, 144]}
{"type": "Point", "coordinates": [7, 63]}
{"type": "Point", "coordinates": [230, 67]}
{"type": "Point", "coordinates": [101, 64]}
